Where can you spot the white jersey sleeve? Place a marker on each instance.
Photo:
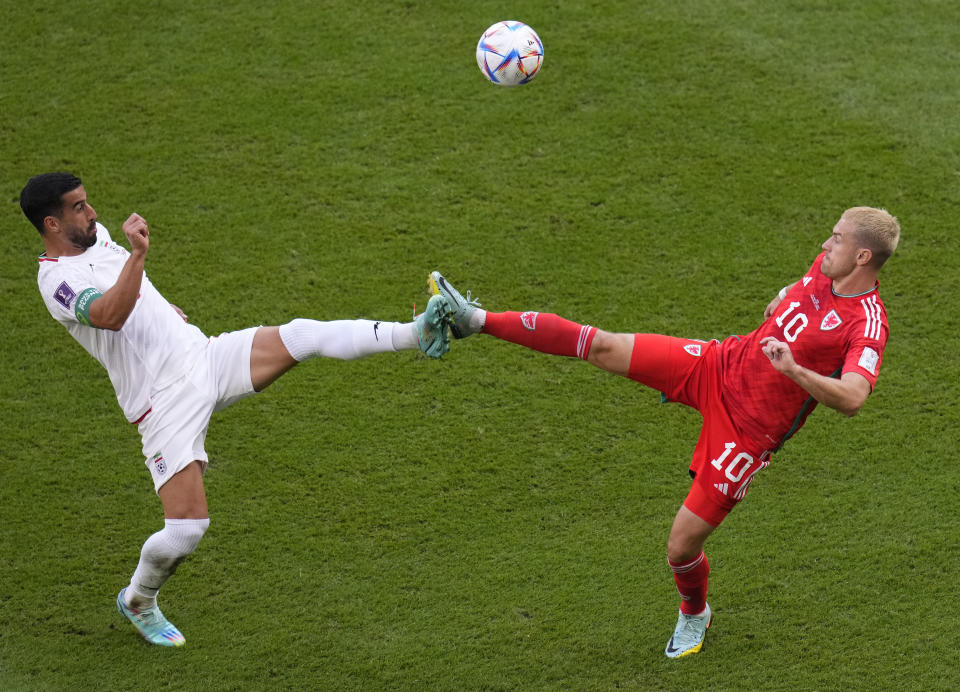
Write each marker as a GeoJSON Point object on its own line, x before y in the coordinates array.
{"type": "Point", "coordinates": [65, 287]}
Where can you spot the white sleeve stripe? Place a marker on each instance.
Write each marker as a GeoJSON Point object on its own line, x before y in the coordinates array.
{"type": "Point", "coordinates": [582, 341]}
{"type": "Point", "coordinates": [874, 317]}
{"type": "Point", "coordinates": [877, 325]}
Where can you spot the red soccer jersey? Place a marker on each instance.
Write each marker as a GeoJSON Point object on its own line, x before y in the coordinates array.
{"type": "Point", "coordinates": [827, 333]}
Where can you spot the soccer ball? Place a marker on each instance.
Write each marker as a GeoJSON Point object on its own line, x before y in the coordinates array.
{"type": "Point", "coordinates": [509, 53]}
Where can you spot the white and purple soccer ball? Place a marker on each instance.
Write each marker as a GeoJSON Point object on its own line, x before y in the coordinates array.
{"type": "Point", "coordinates": [510, 53]}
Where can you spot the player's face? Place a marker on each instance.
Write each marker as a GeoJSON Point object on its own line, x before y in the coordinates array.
{"type": "Point", "coordinates": [841, 250]}
{"type": "Point", "coordinates": [78, 220]}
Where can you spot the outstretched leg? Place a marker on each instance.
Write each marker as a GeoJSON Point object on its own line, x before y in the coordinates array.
{"type": "Point", "coordinates": [277, 349]}
{"type": "Point", "coordinates": [540, 331]}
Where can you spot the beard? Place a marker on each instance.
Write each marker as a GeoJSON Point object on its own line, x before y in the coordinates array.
{"type": "Point", "coordinates": [83, 238]}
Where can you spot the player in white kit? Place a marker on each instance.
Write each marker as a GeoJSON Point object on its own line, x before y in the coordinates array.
{"type": "Point", "coordinates": [168, 376]}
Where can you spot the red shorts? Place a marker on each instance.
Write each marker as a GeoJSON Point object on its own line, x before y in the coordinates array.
{"type": "Point", "coordinates": [724, 460]}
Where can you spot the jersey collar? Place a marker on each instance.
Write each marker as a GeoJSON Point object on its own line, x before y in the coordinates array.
{"type": "Point", "coordinates": [854, 295]}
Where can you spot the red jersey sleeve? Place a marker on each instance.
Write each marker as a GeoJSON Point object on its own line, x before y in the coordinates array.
{"type": "Point", "coordinates": [867, 339]}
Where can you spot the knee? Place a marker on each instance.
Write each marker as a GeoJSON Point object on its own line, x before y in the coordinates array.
{"type": "Point", "coordinates": [185, 534]}
{"type": "Point", "coordinates": [611, 352]}
{"type": "Point", "coordinates": [682, 547]}
{"type": "Point", "coordinates": [603, 344]}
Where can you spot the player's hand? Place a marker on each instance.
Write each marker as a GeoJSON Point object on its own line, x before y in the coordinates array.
{"type": "Point", "coordinates": [779, 353]}
{"type": "Point", "coordinates": [771, 306]}
{"type": "Point", "coordinates": [180, 312]}
{"type": "Point", "coordinates": [137, 232]}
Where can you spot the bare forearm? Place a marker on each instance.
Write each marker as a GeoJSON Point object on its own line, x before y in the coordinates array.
{"type": "Point", "coordinates": [838, 394]}
{"type": "Point", "coordinates": [111, 310]}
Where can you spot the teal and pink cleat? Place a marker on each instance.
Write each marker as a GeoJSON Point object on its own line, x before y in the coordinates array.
{"type": "Point", "coordinates": [151, 623]}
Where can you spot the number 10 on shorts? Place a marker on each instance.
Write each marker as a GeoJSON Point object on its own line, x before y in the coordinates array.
{"type": "Point", "coordinates": [737, 467]}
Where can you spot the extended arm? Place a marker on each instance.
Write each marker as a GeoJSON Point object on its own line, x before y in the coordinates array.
{"type": "Point", "coordinates": [845, 395]}
{"type": "Point", "coordinates": [111, 310]}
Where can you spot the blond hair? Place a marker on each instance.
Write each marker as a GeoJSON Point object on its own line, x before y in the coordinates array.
{"type": "Point", "coordinates": [875, 229]}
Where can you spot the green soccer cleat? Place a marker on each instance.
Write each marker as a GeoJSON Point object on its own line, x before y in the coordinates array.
{"type": "Point", "coordinates": [155, 628]}
{"type": "Point", "coordinates": [461, 309]}
{"type": "Point", "coordinates": [432, 327]}
{"type": "Point", "coordinates": [688, 636]}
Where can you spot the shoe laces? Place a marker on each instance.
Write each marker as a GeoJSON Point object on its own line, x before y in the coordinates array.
{"type": "Point", "coordinates": [689, 627]}
{"type": "Point", "coordinates": [149, 617]}
{"type": "Point", "coordinates": [472, 301]}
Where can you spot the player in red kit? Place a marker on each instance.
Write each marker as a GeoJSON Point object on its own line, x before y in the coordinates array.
{"type": "Point", "coordinates": [821, 341]}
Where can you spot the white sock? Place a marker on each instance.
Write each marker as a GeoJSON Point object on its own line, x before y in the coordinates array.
{"type": "Point", "coordinates": [345, 339]}
{"type": "Point", "coordinates": [405, 336]}
{"type": "Point", "coordinates": [161, 554]}
{"type": "Point", "coordinates": [478, 319]}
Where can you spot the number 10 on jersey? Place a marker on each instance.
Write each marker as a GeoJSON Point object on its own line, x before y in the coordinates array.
{"type": "Point", "coordinates": [794, 326]}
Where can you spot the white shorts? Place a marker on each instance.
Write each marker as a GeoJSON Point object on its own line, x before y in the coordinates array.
{"type": "Point", "coordinates": [175, 427]}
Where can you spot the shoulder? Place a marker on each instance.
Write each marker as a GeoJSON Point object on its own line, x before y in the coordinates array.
{"type": "Point", "coordinates": [106, 247]}
{"type": "Point", "coordinates": [866, 318]}
{"type": "Point", "coordinates": [59, 292]}
{"type": "Point", "coordinates": [868, 307]}
{"type": "Point", "coordinates": [102, 233]}
{"type": "Point", "coordinates": [61, 282]}
{"type": "Point", "coordinates": [49, 269]}
{"type": "Point", "coordinates": [875, 317]}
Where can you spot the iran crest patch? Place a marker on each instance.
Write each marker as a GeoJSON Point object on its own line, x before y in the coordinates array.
{"type": "Point", "coordinates": [158, 463]}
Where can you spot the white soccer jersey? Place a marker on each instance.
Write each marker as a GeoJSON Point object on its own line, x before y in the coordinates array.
{"type": "Point", "coordinates": [152, 349]}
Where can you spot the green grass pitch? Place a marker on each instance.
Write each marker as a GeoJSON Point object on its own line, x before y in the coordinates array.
{"type": "Point", "coordinates": [496, 520]}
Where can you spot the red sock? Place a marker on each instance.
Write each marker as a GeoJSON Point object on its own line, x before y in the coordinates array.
{"type": "Point", "coordinates": [542, 331]}
{"type": "Point", "coordinates": [691, 578]}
